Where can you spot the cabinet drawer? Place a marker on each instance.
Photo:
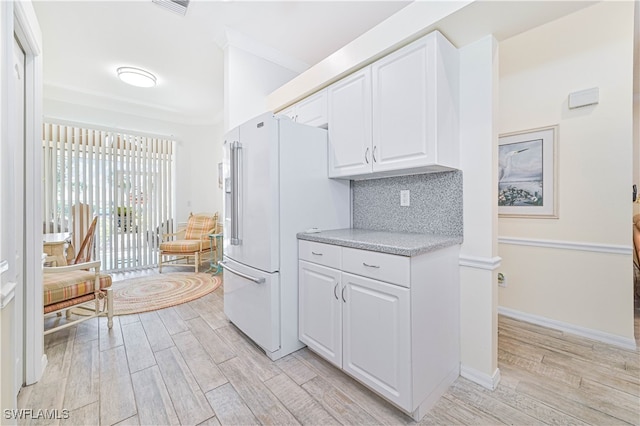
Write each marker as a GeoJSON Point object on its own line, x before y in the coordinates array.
{"type": "Point", "coordinates": [322, 254]}
{"type": "Point", "coordinates": [380, 266]}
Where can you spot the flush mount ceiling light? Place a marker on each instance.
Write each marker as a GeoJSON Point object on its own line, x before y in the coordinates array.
{"type": "Point", "coordinates": [136, 77]}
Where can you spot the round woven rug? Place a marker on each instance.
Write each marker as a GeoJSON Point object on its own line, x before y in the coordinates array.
{"type": "Point", "coordinates": [143, 294]}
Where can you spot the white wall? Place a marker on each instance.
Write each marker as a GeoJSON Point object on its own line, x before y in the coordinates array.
{"type": "Point", "coordinates": [248, 81]}
{"type": "Point", "coordinates": [198, 151]}
{"type": "Point", "coordinates": [589, 288]}
{"type": "Point", "coordinates": [636, 105]}
{"type": "Point", "coordinates": [7, 331]}
{"type": "Point", "coordinates": [4, 11]}
{"type": "Point", "coordinates": [8, 243]}
{"type": "Point", "coordinates": [7, 366]}
{"type": "Point", "coordinates": [22, 315]}
{"type": "Point", "coordinates": [406, 25]}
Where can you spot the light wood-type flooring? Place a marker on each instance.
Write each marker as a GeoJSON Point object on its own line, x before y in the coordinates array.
{"type": "Point", "coordinates": [188, 365]}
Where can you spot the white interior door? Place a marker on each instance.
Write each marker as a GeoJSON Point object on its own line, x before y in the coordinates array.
{"type": "Point", "coordinates": [18, 141]}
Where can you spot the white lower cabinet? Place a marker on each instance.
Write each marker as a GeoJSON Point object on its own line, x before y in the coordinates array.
{"type": "Point", "coordinates": [375, 336]}
{"type": "Point", "coordinates": [320, 322]}
{"type": "Point", "coordinates": [399, 337]}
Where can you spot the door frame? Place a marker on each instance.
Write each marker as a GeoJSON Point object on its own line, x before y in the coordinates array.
{"type": "Point", "coordinates": [18, 212]}
{"type": "Point", "coordinates": [18, 19]}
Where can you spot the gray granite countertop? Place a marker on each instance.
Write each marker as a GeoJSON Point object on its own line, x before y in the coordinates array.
{"type": "Point", "coordinates": [401, 243]}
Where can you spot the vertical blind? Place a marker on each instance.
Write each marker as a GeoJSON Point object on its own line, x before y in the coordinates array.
{"type": "Point", "coordinates": [124, 179]}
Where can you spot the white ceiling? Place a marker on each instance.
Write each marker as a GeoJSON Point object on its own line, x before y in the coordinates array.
{"type": "Point", "coordinates": [85, 41]}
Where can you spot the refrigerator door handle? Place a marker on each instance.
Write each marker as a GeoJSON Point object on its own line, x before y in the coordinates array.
{"type": "Point", "coordinates": [235, 193]}
{"type": "Point", "coordinates": [240, 274]}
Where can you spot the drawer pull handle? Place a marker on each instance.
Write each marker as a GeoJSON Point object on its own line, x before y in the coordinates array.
{"type": "Point", "coordinates": [370, 266]}
{"type": "Point", "coordinates": [335, 291]}
{"type": "Point", "coordinates": [317, 254]}
{"type": "Point", "coordinates": [343, 299]}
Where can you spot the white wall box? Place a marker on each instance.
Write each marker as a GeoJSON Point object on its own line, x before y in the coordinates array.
{"type": "Point", "coordinates": [311, 110]}
{"type": "Point", "coordinates": [402, 115]}
{"type": "Point", "coordinates": [398, 336]}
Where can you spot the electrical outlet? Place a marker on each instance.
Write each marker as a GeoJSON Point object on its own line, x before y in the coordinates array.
{"type": "Point", "coordinates": [405, 200]}
{"type": "Point", "coordinates": [502, 280]}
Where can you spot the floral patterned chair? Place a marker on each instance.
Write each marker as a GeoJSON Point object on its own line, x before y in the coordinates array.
{"type": "Point", "coordinates": [191, 242]}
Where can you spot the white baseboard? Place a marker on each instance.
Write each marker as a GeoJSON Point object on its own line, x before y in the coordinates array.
{"type": "Point", "coordinates": [600, 336]}
{"type": "Point", "coordinates": [483, 379]}
{"type": "Point", "coordinates": [43, 364]}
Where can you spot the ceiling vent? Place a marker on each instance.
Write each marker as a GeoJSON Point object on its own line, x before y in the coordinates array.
{"type": "Point", "coordinates": [177, 6]}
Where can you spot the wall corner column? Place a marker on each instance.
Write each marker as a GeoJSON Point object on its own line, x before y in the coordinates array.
{"type": "Point", "coordinates": [478, 257]}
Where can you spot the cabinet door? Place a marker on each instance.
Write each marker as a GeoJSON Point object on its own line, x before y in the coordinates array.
{"type": "Point", "coordinates": [313, 110]}
{"type": "Point", "coordinates": [376, 336]}
{"type": "Point", "coordinates": [320, 310]}
{"type": "Point", "coordinates": [350, 125]}
{"type": "Point", "coordinates": [404, 105]}
{"type": "Point", "coordinates": [289, 112]}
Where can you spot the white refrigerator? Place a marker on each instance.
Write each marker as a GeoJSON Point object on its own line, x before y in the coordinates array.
{"type": "Point", "coordinates": [275, 185]}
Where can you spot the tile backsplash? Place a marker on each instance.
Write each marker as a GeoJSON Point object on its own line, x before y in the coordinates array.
{"type": "Point", "coordinates": [435, 203]}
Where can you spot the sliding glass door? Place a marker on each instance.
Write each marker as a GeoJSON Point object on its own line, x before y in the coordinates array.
{"type": "Point", "coordinates": [124, 179]}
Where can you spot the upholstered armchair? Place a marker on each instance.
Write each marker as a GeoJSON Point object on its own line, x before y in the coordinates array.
{"type": "Point", "coordinates": [66, 287]}
{"type": "Point", "coordinates": [636, 252]}
{"type": "Point", "coordinates": [191, 242]}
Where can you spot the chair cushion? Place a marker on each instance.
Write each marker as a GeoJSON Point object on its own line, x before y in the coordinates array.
{"type": "Point", "coordinates": [184, 246]}
{"type": "Point", "coordinates": [61, 286]}
{"type": "Point", "coordinates": [199, 225]}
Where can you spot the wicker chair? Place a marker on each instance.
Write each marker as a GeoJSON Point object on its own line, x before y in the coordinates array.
{"type": "Point", "coordinates": [191, 242]}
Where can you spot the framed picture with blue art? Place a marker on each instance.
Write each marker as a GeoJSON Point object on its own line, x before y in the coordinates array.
{"type": "Point", "coordinates": [527, 184]}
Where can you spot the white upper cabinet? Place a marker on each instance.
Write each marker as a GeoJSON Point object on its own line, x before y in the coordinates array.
{"type": "Point", "coordinates": [412, 102]}
{"type": "Point", "coordinates": [289, 112]}
{"type": "Point", "coordinates": [350, 125]}
{"type": "Point", "coordinates": [311, 110]}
